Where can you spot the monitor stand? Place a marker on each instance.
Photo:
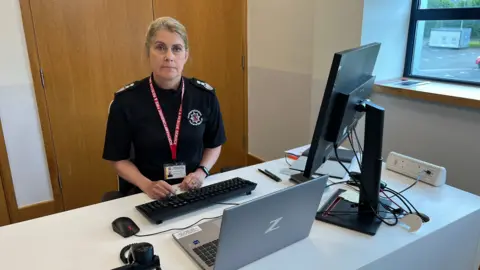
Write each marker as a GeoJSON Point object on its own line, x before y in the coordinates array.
{"type": "Point", "coordinates": [361, 217]}
{"type": "Point", "coordinates": [340, 212]}
{"type": "Point", "coordinates": [299, 178]}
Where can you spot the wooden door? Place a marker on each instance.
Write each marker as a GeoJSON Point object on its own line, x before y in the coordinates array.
{"type": "Point", "coordinates": [87, 50]}
{"type": "Point", "coordinates": [4, 216]}
{"type": "Point", "coordinates": [216, 31]}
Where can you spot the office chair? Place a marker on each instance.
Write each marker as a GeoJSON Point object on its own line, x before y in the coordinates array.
{"type": "Point", "coordinates": [120, 192]}
{"type": "Point", "coordinates": [230, 168]}
{"type": "Point", "coordinates": [117, 194]}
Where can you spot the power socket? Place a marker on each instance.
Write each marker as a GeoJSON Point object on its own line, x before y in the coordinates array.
{"type": "Point", "coordinates": [412, 167]}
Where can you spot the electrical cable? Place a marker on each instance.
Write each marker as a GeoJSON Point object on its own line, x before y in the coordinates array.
{"type": "Point", "coordinates": [400, 198]}
{"type": "Point", "coordinates": [393, 210]}
{"type": "Point", "coordinates": [403, 199]}
{"type": "Point", "coordinates": [399, 195]}
{"type": "Point", "coordinates": [361, 186]}
{"type": "Point", "coordinates": [382, 219]}
{"type": "Point", "coordinates": [360, 167]}
{"type": "Point", "coordinates": [176, 229]}
{"type": "Point", "coordinates": [355, 152]}
{"type": "Point", "coordinates": [387, 207]}
{"type": "Point", "coordinates": [335, 146]}
{"type": "Point", "coordinates": [286, 160]}
{"type": "Point", "coordinates": [337, 183]}
{"type": "Point", "coordinates": [388, 198]}
{"type": "Point", "coordinates": [416, 181]}
{"type": "Point", "coordinates": [385, 218]}
{"type": "Point", "coordinates": [358, 141]}
{"type": "Point", "coordinates": [348, 212]}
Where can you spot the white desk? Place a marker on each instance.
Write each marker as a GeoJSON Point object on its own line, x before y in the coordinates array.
{"type": "Point", "coordinates": [83, 238]}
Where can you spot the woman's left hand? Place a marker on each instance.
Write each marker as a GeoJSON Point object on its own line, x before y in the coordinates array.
{"type": "Point", "coordinates": [193, 180]}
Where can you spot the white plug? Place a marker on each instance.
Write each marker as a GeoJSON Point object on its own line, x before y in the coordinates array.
{"type": "Point", "coordinates": [411, 167]}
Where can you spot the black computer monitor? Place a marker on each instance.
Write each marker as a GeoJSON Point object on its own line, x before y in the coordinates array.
{"type": "Point", "coordinates": [345, 102]}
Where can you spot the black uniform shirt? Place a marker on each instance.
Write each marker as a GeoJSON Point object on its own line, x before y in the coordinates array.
{"type": "Point", "coordinates": [134, 125]}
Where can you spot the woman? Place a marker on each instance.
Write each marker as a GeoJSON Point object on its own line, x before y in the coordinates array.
{"type": "Point", "coordinates": [172, 123]}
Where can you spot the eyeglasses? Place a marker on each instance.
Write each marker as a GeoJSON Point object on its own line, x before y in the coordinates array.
{"type": "Point", "coordinates": [163, 49]}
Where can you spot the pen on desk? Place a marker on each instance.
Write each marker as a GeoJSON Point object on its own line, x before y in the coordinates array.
{"type": "Point", "coordinates": [274, 177]}
{"type": "Point", "coordinates": [270, 175]}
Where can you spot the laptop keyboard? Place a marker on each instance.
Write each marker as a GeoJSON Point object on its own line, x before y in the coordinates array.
{"type": "Point", "coordinates": [207, 252]}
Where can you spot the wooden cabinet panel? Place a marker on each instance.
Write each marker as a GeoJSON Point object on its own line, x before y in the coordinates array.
{"type": "Point", "coordinates": [87, 50]}
{"type": "Point", "coordinates": [217, 37]}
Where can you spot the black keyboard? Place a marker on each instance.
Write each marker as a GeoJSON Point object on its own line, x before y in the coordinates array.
{"type": "Point", "coordinates": [207, 252]}
{"type": "Point", "coordinates": [158, 211]}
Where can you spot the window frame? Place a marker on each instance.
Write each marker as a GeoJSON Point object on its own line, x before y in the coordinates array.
{"type": "Point", "coordinates": [418, 14]}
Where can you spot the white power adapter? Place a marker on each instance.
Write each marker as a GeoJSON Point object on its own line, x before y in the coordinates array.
{"type": "Point", "coordinates": [411, 167]}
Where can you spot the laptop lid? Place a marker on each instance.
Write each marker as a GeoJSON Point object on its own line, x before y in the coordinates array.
{"type": "Point", "coordinates": [269, 223]}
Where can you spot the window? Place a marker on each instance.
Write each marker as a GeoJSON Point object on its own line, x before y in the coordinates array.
{"type": "Point", "coordinates": [444, 41]}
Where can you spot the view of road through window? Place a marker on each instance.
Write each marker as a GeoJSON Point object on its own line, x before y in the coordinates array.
{"type": "Point", "coordinates": [447, 49]}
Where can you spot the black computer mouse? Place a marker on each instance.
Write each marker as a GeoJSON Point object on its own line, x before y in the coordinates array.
{"type": "Point", "coordinates": [125, 227]}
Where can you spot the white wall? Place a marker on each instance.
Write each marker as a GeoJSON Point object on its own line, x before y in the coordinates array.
{"type": "Point", "coordinates": [279, 74]}
{"type": "Point", "coordinates": [440, 134]}
{"type": "Point", "coordinates": [387, 22]}
{"type": "Point", "coordinates": [337, 27]}
{"type": "Point", "coordinates": [291, 45]}
{"type": "Point", "coordinates": [18, 111]}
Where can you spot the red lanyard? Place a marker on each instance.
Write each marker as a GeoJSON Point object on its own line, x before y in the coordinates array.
{"type": "Point", "coordinates": [173, 144]}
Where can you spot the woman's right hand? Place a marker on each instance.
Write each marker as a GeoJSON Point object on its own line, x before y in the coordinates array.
{"type": "Point", "coordinates": [158, 189]}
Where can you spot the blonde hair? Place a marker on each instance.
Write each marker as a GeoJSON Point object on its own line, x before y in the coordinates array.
{"type": "Point", "coordinates": [169, 24]}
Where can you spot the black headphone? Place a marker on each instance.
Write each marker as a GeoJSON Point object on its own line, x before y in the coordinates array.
{"type": "Point", "coordinates": [140, 255]}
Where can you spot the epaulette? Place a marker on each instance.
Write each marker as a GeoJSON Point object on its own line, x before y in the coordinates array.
{"type": "Point", "coordinates": [202, 85]}
{"type": "Point", "coordinates": [126, 87]}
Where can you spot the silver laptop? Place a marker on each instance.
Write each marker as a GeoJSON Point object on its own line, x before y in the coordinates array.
{"type": "Point", "coordinates": [255, 228]}
{"type": "Point", "coordinates": [330, 167]}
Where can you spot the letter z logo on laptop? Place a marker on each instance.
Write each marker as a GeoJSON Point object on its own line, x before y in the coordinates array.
{"type": "Point", "coordinates": [273, 225]}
